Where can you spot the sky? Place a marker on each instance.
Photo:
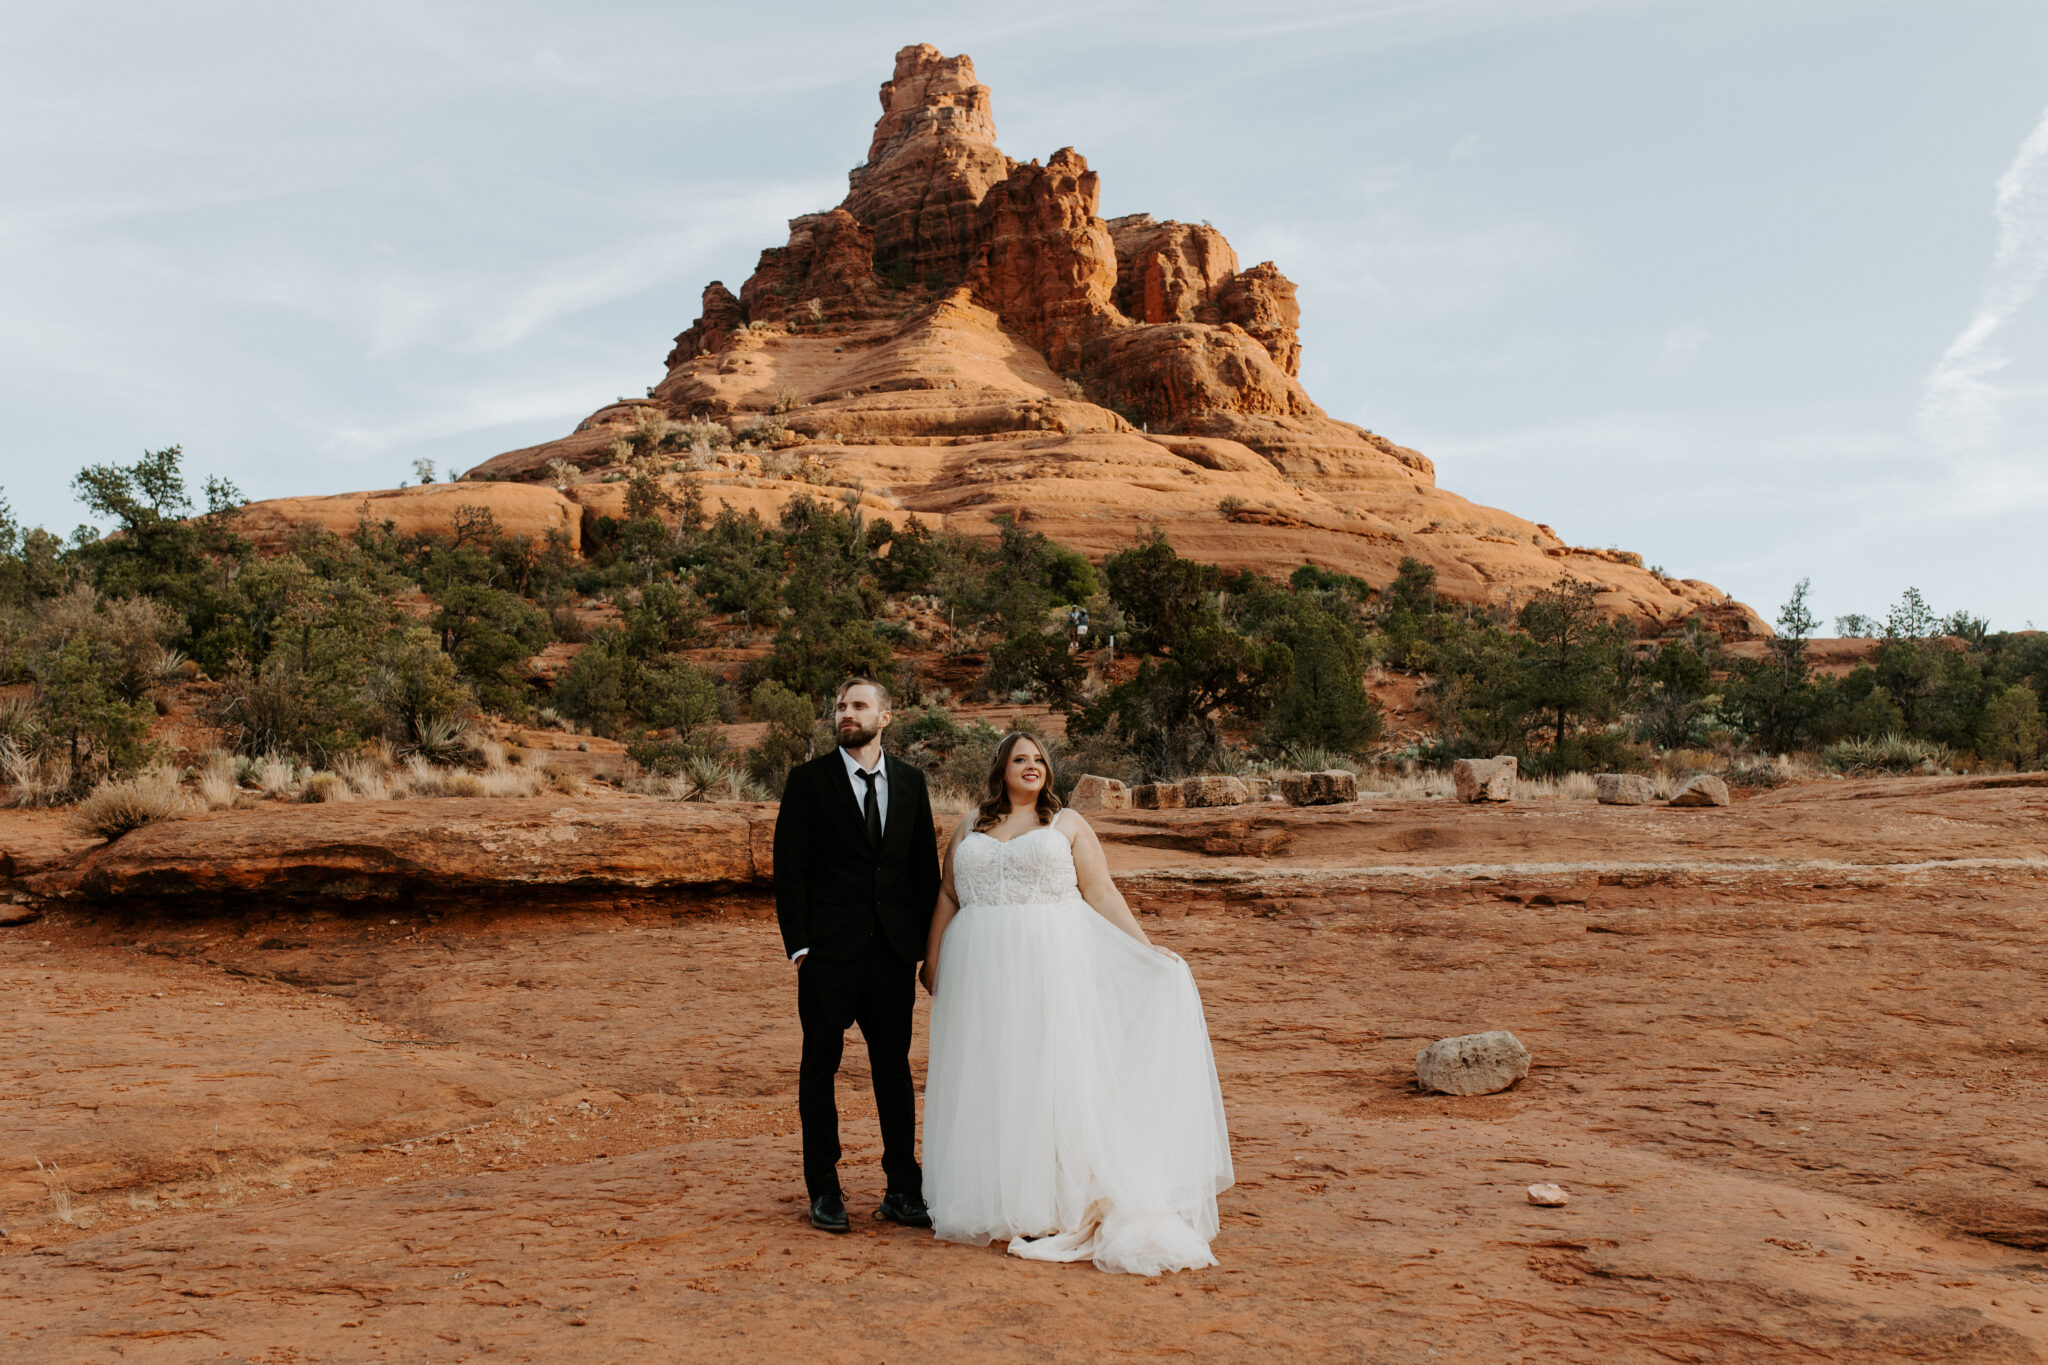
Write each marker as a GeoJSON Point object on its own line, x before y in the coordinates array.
{"type": "Point", "coordinates": [1752, 287]}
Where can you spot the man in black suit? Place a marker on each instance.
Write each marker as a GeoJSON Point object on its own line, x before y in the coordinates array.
{"type": "Point", "coordinates": [856, 876]}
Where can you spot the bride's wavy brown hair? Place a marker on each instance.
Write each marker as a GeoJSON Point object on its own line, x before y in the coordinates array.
{"type": "Point", "coordinates": [998, 803]}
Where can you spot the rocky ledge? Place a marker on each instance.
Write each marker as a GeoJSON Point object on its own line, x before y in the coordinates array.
{"type": "Point", "coordinates": [427, 850]}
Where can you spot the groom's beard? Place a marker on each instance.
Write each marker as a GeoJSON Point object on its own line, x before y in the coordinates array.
{"type": "Point", "coordinates": [855, 735]}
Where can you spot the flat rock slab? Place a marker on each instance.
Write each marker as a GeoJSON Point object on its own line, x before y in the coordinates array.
{"type": "Point", "coordinates": [1485, 779]}
{"type": "Point", "coordinates": [368, 850]}
{"type": "Point", "coordinates": [1624, 789]}
{"type": "Point", "coordinates": [1473, 1064]}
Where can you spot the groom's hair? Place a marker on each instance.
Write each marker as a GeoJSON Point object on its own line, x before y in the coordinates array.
{"type": "Point", "coordinates": [856, 681]}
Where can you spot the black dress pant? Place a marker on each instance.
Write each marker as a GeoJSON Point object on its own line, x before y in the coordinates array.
{"type": "Point", "coordinates": [877, 991]}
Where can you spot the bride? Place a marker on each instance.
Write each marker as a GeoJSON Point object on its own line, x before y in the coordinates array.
{"type": "Point", "coordinates": [1071, 1103]}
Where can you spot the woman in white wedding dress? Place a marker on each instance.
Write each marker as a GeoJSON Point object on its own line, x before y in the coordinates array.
{"type": "Point", "coordinates": [1071, 1104]}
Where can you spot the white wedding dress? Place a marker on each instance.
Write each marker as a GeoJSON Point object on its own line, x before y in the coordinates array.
{"type": "Point", "coordinates": [1071, 1105]}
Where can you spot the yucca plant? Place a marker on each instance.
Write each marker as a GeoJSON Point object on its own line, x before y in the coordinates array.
{"type": "Point", "coordinates": [438, 739]}
{"type": "Point", "coordinates": [1892, 753]}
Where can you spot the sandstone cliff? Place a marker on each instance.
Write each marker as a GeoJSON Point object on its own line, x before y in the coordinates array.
{"type": "Point", "coordinates": [969, 334]}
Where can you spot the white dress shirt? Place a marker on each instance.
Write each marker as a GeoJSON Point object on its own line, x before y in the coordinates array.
{"type": "Point", "coordinates": [860, 784]}
{"type": "Point", "coordinates": [860, 800]}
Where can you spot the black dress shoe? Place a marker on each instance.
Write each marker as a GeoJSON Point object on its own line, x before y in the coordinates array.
{"type": "Point", "coordinates": [907, 1209]}
{"type": "Point", "coordinates": [828, 1214]}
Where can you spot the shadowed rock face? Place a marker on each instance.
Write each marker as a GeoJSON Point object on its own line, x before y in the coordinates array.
{"type": "Point", "coordinates": [968, 332]}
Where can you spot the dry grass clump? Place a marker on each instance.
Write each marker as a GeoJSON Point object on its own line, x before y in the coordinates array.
{"type": "Point", "coordinates": [114, 808]}
{"type": "Point", "coordinates": [952, 801]}
{"type": "Point", "coordinates": [216, 784]}
{"type": "Point", "coordinates": [325, 787]}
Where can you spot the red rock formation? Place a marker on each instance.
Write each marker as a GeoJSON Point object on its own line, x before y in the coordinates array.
{"type": "Point", "coordinates": [984, 342]}
{"type": "Point", "coordinates": [1261, 300]}
{"type": "Point", "coordinates": [1048, 266]}
{"type": "Point", "coordinates": [721, 317]}
{"type": "Point", "coordinates": [1169, 272]}
{"type": "Point", "coordinates": [932, 159]}
{"type": "Point", "coordinates": [826, 273]}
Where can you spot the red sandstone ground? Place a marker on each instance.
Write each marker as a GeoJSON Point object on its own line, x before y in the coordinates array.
{"type": "Point", "coordinates": [1790, 1061]}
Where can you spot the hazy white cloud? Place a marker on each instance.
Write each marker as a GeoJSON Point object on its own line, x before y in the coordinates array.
{"type": "Point", "coordinates": [1961, 405]}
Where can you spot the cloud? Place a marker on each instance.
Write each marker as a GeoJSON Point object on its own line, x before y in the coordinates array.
{"type": "Point", "coordinates": [1961, 405]}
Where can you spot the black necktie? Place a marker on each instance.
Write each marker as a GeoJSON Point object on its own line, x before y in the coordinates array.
{"type": "Point", "coordinates": [871, 807]}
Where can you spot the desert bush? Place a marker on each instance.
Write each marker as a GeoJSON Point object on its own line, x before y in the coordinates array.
{"type": "Point", "coordinates": [1314, 758]}
{"type": "Point", "coordinates": [2012, 728]}
{"type": "Point", "coordinates": [117, 806]}
{"type": "Point", "coordinates": [794, 734]}
{"type": "Point", "coordinates": [1889, 753]}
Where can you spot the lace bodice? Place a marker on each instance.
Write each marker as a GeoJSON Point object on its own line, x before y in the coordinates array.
{"type": "Point", "coordinates": [1033, 868]}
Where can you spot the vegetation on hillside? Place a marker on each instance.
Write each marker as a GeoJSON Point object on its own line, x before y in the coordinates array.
{"type": "Point", "coordinates": [337, 645]}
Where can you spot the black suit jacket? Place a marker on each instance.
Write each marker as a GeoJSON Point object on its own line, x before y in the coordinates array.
{"type": "Point", "coordinates": [833, 889]}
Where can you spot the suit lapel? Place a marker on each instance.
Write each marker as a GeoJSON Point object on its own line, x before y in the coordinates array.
{"type": "Point", "coordinates": [843, 798]}
{"type": "Point", "coordinates": [898, 819]}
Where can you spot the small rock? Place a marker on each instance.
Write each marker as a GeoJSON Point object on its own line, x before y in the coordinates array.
{"type": "Point", "coordinates": [1473, 1063]}
{"type": "Point", "coordinates": [1624, 789]}
{"type": "Point", "coordinates": [1704, 790]}
{"type": "Point", "coordinates": [19, 914]}
{"type": "Point", "coordinates": [1320, 789]}
{"type": "Point", "coordinates": [1100, 793]}
{"type": "Point", "coordinates": [1549, 1196]}
{"type": "Point", "coordinates": [1485, 779]}
{"type": "Point", "coordinates": [1213, 791]}
{"type": "Point", "coordinates": [1156, 796]}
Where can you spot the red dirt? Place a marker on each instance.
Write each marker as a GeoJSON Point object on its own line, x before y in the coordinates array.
{"type": "Point", "coordinates": [1790, 1061]}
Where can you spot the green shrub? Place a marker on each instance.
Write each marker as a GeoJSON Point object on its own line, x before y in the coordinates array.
{"type": "Point", "coordinates": [792, 735]}
{"type": "Point", "coordinates": [2012, 727]}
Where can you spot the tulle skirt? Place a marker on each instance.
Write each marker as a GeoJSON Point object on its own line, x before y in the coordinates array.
{"type": "Point", "coordinates": [1071, 1103]}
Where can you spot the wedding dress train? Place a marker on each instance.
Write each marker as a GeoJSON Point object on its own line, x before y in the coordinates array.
{"type": "Point", "coordinates": [1071, 1104]}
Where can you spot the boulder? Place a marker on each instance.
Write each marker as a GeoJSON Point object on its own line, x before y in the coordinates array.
{"type": "Point", "coordinates": [19, 914]}
{"type": "Point", "coordinates": [1099, 793]}
{"type": "Point", "coordinates": [1704, 790]}
{"type": "Point", "coordinates": [1485, 779]}
{"type": "Point", "coordinates": [1319, 789]}
{"type": "Point", "coordinates": [1624, 789]}
{"type": "Point", "coordinates": [1472, 1064]}
{"type": "Point", "coordinates": [1156, 796]}
{"type": "Point", "coordinates": [1548, 1196]}
{"type": "Point", "coordinates": [1213, 791]}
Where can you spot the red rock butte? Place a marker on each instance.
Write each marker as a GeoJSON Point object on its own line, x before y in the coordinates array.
{"type": "Point", "coordinates": [966, 336]}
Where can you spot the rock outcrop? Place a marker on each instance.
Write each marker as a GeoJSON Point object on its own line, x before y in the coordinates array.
{"type": "Point", "coordinates": [549, 848]}
{"type": "Point", "coordinates": [968, 331]}
{"type": "Point", "coordinates": [521, 509]}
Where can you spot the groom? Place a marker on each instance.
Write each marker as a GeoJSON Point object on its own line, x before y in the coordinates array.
{"type": "Point", "coordinates": [856, 876]}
